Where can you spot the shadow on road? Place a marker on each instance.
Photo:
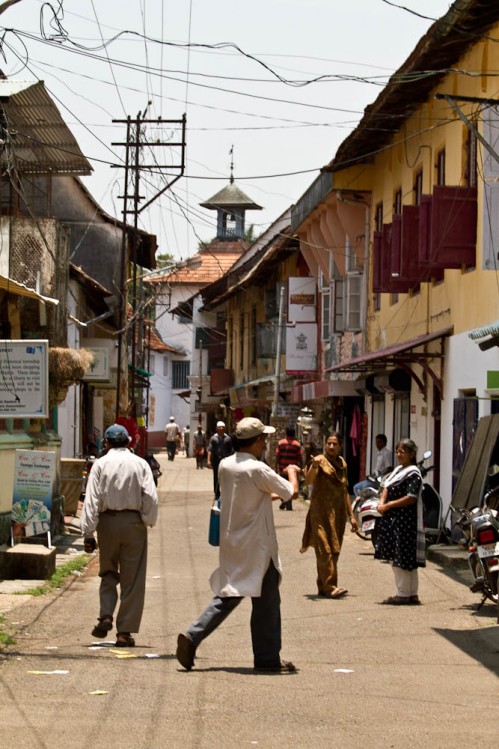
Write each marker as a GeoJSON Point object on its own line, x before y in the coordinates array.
{"type": "Point", "coordinates": [480, 644]}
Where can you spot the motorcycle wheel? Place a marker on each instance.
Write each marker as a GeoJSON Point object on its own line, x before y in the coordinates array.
{"type": "Point", "coordinates": [490, 586]}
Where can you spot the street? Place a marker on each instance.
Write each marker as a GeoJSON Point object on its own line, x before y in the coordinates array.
{"type": "Point", "coordinates": [371, 675]}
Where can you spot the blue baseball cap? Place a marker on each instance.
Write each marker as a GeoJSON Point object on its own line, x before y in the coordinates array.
{"type": "Point", "coordinates": [115, 432]}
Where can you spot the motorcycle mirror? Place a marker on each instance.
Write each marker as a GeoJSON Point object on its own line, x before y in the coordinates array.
{"type": "Point", "coordinates": [426, 454]}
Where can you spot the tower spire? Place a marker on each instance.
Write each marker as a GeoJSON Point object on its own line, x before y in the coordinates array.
{"type": "Point", "coordinates": [231, 153]}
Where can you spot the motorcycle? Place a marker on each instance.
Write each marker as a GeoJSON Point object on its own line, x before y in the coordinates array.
{"type": "Point", "coordinates": [365, 507]}
{"type": "Point", "coordinates": [480, 529]}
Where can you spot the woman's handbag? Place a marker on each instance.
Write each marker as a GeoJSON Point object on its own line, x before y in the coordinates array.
{"type": "Point", "coordinates": [214, 529]}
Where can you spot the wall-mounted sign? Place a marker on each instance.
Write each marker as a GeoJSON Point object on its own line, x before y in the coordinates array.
{"type": "Point", "coordinates": [302, 301]}
{"type": "Point", "coordinates": [23, 379]}
{"type": "Point", "coordinates": [301, 348]}
{"type": "Point", "coordinates": [99, 369]}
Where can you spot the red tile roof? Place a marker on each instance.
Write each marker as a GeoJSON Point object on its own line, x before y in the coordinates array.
{"type": "Point", "coordinates": [206, 266]}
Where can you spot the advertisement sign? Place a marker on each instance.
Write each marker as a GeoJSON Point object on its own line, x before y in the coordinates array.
{"type": "Point", "coordinates": [302, 301]}
{"type": "Point", "coordinates": [24, 379]}
{"type": "Point", "coordinates": [34, 478]}
{"type": "Point", "coordinates": [301, 349]}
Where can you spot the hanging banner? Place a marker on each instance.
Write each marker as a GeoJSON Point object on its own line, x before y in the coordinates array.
{"type": "Point", "coordinates": [34, 478]}
{"type": "Point", "coordinates": [302, 301]}
{"type": "Point", "coordinates": [301, 349]}
{"type": "Point", "coordinates": [24, 391]}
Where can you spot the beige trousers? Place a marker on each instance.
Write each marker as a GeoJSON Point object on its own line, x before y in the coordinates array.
{"type": "Point", "coordinates": [122, 538]}
{"type": "Point", "coordinates": [406, 582]}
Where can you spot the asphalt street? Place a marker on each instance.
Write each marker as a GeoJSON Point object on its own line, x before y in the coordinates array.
{"type": "Point", "coordinates": [369, 674]}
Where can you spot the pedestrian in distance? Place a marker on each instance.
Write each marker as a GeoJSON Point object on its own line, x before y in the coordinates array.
{"type": "Point", "coordinates": [120, 502]}
{"type": "Point", "coordinates": [249, 556]}
{"type": "Point", "coordinates": [220, 446]}
{"type": "Point", "coordinates": [199, 444]}
{"type": "Point", "coordinates": [172, 434]}
{"type": "Point", "coordinates": [384, 464]}
{"type": "Point", "coordinates": [401, 538]}
{"type": "Point", "coordinates": [327, 515]}
{"type": "Point", "coordinates": [289, 452]}
{"type": "Point", "coordinates": [187, 439]}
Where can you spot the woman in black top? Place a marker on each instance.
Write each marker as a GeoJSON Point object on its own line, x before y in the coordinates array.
{"type": "Point", "coordinates": [401, 536]}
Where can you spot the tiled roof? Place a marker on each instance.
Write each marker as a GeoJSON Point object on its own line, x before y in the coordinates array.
{"type": "Point", "coordinates": [435, 56]}
{"type": "Point", "coordinates": [207, 266]}
{"type": "Point", "coordinates": [154, 341]}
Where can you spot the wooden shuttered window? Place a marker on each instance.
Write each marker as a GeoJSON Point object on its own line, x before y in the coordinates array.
{"type": "Point", "coordinates": [453, 227]}
{"type": "Point", "coordinates": [425, 239]}
{"type": "Point", "coordinates": [377, 245]}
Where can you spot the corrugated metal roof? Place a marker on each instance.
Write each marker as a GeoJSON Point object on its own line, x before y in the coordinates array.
{"type": "Point", "coordinates": [41, 140]}
{"type": "Point", "coordinates": [14, 287]}
{"type": "Point", "coordinates": [490, 329]}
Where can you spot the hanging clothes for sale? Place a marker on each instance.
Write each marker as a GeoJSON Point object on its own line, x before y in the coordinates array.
{"type": "Point", "coordinates": [356, 429]}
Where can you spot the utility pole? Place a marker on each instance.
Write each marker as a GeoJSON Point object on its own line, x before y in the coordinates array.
{"type": "Point", "coordinates": [134, 148]}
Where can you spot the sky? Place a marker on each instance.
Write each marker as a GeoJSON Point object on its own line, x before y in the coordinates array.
{"type": "Point", "coordinates": [280, 83]}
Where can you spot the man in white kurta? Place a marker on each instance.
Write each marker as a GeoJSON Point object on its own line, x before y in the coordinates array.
{"type": "Point", "coordinates": [249, 556]}
{"type": "Point", "coordinates": [120, 501]}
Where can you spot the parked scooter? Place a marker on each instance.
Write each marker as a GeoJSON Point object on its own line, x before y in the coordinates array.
{"type": "Point", "coordinates": [480, 528]}
{"type": "Point", "coordinates": [365, 507]}
{"type": "Point", "coordinates": [365, 510]}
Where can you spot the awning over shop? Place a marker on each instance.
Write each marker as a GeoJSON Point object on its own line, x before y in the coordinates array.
{"type": "Point", "coordinates": [401, 355]}
{"type": "Point", "coordinates": [14, 287]}
{"type": "Point", "coordinates": [489, 332]}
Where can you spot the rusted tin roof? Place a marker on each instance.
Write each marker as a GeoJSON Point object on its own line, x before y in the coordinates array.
{"type": "Point", "coordinates": [41, 140]}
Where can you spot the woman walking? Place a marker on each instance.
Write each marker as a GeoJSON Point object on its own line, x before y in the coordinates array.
{"type": "Point", "coordinates": [327, 516]}
{"type": "Point", "coordinates": [401, 538]}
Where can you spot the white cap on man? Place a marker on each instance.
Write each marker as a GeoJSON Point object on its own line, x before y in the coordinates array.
{"type": "Point", "coordinates": [220, 424]}
{"type": "Point", "coordinates": [249, 427]}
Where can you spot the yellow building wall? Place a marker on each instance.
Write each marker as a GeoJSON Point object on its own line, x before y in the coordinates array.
{"type": "Point", "coordinates": [242, 304]}
{"type": "Point", "coordinates": [465, 299]}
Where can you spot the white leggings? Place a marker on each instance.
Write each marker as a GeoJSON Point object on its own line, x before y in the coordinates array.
{"type": "Point", "coordinates": [406, 582]}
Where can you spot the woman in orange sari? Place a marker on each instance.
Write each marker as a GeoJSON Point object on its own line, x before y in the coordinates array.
{"type": "Point", "coordinates": [327, 516]}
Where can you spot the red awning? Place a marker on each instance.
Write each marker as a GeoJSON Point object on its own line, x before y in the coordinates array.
{"type": "Point", "coordinates": [385, 356]}
{"type": "Point", "coordinates": [400, 355]}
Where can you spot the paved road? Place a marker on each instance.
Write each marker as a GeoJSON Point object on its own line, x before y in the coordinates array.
{"type": "Point", "coordinates": [369, 675]}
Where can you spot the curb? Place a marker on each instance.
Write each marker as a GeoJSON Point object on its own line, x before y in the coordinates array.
{"type": "Point", "coordinates": [448, 556]}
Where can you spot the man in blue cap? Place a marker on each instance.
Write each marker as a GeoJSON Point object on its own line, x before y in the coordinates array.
{"type": "Point", "coordinates": [120, 501]}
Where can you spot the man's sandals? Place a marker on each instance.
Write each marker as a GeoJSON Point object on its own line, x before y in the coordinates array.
{"type": "Point", "coordinates": [103, 626]}
{"type": "Point", "coordinates": [124, 640]}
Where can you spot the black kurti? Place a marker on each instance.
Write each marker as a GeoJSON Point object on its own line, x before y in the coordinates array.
{"type": "Point", "coordinates": [397, 528]}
